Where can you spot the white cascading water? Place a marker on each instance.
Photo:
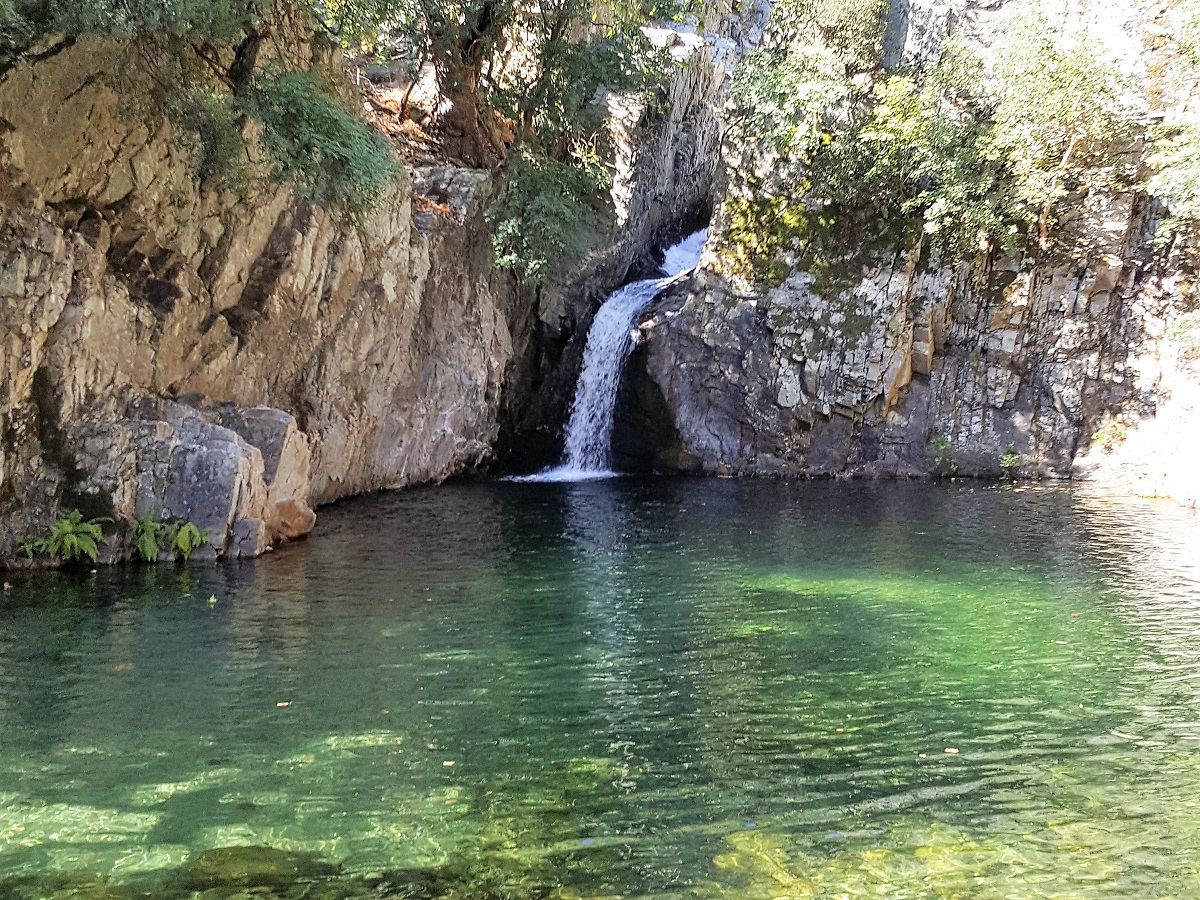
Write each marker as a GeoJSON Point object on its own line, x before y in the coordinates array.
{"type": "Point", "coordinates": [609, 343]}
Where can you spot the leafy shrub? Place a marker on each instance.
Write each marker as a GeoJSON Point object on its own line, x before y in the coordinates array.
{"type": "Point", "coordinates": [945, 157]}
{"type": "Point", "coordinates": [1057, 112]}
{"type": "Point", "coordinates": [541, 213]}
{"type": "Point", "coordinates": [1175, 160]}
{"type": "Point", "coordinates": [314, 140]}
{"type": "Point", "coordinates": [944, 462]}
{"type": "Point", "coordinates": [1010, 463]}
{"type": "Point", "coordinates": [25, 22]}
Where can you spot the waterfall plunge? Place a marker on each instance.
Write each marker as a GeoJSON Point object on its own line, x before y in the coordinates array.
{"type": "Point", "coordinates": [609, 343]}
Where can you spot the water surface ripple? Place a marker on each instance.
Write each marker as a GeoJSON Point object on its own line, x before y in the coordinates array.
{"type": "Point", "coordinates": [634, 688]}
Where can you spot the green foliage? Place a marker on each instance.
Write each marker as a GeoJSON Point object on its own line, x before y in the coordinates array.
{"type": "Point", "coordinates": [931, 157]}
{"type": "Point", "coordinates": [1058, 110]}
{"type": "Point", "coordinates": [559, 104]}
{"type": "Point", "coordinates": [851, 29]}
{"type": "Point", "coordinates": [944, 462]}
{"type": "Point", "coordinates": [1175, 161]}
{"type": "Point", "coordinates": [148, 537]}
{"type": "Point", "coordinates": [1010, 463]}
{"type": "Point", "coordinates": [25, 22]}
{"type": "Point", "coordinates": [71, 539]}
{"type": "Point", "coordinates": [314, 140]}
{"type": "Point", "coordinates": [785, 97]}
{"type": "Point", "coordinates": [360, 25]}
{"type": "Point", "coordinates": [30, 547]}
{"type": "Point", "coordinates": [926, 148]}
{"type": "Point", "coordinates": [892, 161]}
{"type": "Point", "coordinates": [1176, 165]}
{"type": "Point", "coordinates": [183, 540]}
{"type": "Point", "coordinates": [540, 213]}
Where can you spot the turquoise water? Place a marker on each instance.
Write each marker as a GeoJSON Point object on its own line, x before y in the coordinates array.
{"type": "Point", "coordinates": [698, 689]}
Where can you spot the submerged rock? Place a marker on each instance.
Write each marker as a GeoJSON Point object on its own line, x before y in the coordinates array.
{"type": "Point", "coordinates": [65, 886]}
{"type": "Point", "coordinates": [269, 867]}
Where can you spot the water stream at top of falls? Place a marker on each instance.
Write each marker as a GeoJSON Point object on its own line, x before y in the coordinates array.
{"type": "Point", "coordinates": [610, 341]}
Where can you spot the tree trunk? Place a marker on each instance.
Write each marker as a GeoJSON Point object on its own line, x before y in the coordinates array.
{"type": "Point", "coordinates": [468, 129]}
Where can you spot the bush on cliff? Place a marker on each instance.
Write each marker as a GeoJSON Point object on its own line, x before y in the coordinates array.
{"type": "Point", "coordinates": [313, 140]}
{"type": "Point", "coordinates": [309, 136]}
{"type": "Point", "coordinates": [521, 85]}
{"type": "Point", "coordinates": [1175, 162]}
{"type": "Point", "coordinates": [956, 156]}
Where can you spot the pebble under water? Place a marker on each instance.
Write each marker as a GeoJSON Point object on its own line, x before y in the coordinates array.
{"type": "Point", "coordinates": [675, 688]}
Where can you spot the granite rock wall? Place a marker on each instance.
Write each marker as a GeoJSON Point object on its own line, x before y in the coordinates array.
{"type": "Point", "coordinates": [232, 360]}
{"type": "Point", "coordinates": [1039, 364]}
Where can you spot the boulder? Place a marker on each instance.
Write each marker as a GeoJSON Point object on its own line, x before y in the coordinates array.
{"type": "Point", "coordinates": [255, 867]}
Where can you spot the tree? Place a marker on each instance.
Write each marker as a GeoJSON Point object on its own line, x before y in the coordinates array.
{"type": "Point", "coordinates": [1175, 161]}
{"type": "Point", "coordinates": [1060, 107]}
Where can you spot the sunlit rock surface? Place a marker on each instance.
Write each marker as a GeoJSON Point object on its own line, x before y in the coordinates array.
{"type": "Point", "coordinates": [348, 358]}
{"type": "Point", "coordinates": [888, 365]}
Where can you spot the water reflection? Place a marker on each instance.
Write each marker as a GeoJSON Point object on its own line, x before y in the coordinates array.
{"type": "Point", "coordinates": [673, 688]}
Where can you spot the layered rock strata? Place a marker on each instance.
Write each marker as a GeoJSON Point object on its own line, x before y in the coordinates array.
{"type": "Point", "coordinates": [1071, 363]}
{"type": "Point", "coordinates": [306, 357]}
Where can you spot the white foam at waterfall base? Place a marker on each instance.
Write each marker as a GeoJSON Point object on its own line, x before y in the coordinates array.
{"type": "Point", "coordinates": [587, 455]}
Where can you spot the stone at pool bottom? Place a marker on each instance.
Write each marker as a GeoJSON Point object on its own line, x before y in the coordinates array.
{"type": "Point", "coordinates": [255, 867]}
{"type": "Point", "coordinates": [242, 873]}
{"type": "Point", "coordinates": [81, 886]}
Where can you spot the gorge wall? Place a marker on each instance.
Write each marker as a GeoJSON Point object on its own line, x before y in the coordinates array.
{"type": "Point", "coordinates": [237, 360]}
{"type": "Point", "coordinates": [1056, 364]}
{"type": "Point", "coordinates": [232, 361]}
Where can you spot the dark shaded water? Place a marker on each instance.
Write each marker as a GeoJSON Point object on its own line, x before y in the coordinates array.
{"type": "Point", "coordinates": [670, 688]}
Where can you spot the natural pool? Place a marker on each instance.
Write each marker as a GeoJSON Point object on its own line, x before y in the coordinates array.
{"type": "Point", "coordinates": [699, 689]}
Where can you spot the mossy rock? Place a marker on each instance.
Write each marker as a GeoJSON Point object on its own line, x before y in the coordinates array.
{"type": "Point", "coordinates": [255, 867]}
{"type": "Point", "coordinates": [80, 886]}
{"type": "Point", "coordinates": [414, 884]}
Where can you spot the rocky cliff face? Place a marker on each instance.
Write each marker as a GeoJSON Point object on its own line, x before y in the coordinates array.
{"type": "Point", "coordinates": [900, 366]}
{"type": "Point", "coordinates": [174, 349]}
{"type": "Point", "coordinates": [233, 361]}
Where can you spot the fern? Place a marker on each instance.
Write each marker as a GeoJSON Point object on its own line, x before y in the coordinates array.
{"type": "Point", "coordinates": [73, 539]}
{"type": "Point", "coordinates": [148, 537]}
{"type": "Point", "coordinates": [30, 547]}
{"type": "Point", "coordinates": [184, 539]}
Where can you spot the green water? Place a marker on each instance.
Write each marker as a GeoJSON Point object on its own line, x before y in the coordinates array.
{"type": "Point", "coordinates": [688, 689]}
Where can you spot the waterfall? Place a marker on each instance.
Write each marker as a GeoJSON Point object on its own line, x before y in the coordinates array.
{"type": "Point", "coordinates": [609, 343]}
